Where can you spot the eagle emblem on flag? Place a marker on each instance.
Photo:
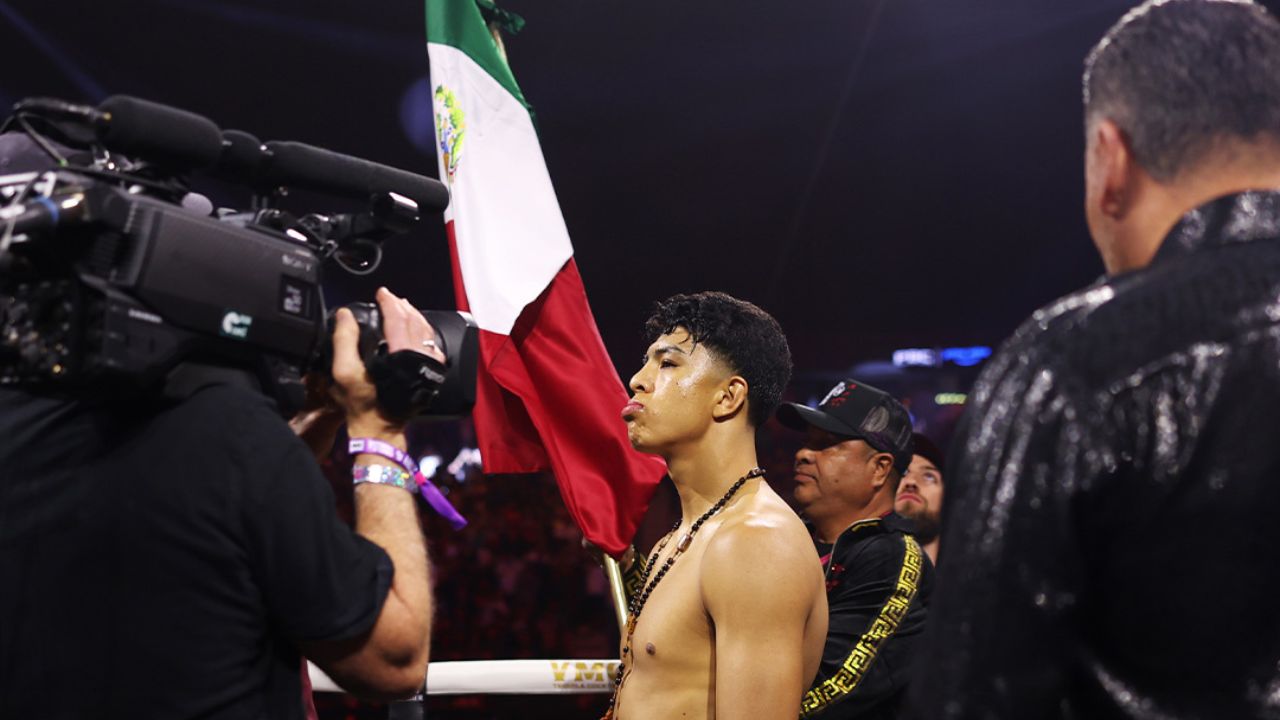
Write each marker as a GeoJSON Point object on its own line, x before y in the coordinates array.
{"type": "Point", "coordinates": [451, 128]}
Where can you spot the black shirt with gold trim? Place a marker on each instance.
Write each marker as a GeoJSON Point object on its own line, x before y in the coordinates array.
{"type": "Point", "coordinates": [878, 587]}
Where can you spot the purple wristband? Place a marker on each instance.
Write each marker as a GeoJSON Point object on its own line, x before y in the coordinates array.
{"type": "Point", "coordinates": [428, 490]}
{"type": "Point", "coordinates": [373, 446]}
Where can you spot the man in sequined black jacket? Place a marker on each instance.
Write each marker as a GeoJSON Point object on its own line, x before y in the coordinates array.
{"type": "Point", "coordinates": [1111, 547]}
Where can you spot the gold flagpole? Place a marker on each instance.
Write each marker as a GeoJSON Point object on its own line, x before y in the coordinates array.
{"type": "Point", "coordinates": [611, 568]}
{"type": "Point", "coordinates": [614, 572]}
{"type": "Point", "coordinates": [497, 40]}
{"type": "Point", "coordinates": [496, 32]}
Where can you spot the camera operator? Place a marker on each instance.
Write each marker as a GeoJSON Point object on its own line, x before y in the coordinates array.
{"type": "Point", "coordinates": [177, 559]}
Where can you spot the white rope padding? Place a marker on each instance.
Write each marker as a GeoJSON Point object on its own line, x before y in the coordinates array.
{"type": "Point", "coordinates": [505, 677]}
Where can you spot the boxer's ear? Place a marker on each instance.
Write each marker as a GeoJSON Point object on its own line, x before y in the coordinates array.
{"type": "Point", "coordinates": [731, 398]}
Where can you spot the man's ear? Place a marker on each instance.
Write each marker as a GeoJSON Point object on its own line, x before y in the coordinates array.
{"type": "Point", "coordinates": [731, 399]}
{"type": "Point", "coordinates": [1112, 164]}
{"type": "Point", "coordinates": [882, 466]}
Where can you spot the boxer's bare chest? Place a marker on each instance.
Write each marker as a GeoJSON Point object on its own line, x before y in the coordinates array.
{"type": "Point", "coordinates": [669, 658]}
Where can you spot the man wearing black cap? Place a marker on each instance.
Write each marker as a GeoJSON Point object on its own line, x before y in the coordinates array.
{"type": "Point", "coordinates": [920, 494]}
{"type": "Point", "coordinates": [857, 445]}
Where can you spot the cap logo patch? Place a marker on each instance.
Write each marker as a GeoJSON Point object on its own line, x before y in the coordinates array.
{"type": "Point", "coordinates": [838, 395]}
{"type": "Point", "coordinates": [876, 420]}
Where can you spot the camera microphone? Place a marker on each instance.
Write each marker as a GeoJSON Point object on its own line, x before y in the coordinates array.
{"type": "Point", "coordinates": [131, 126]}
{"type": "Point", "coordinates": [160, 133]}
{"type": "Point", "coordinates": [55, 109]}
{"type": "Point", "coordinates": [182, 140]}
{"type": "Point", "coordinates": [308, 167]}
{"type": "Point", "coordinates": [242, 160]}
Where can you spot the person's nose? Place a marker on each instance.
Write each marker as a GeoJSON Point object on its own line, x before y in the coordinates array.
{"type": "Point", "coordinates": [804, 456]}
{"type": "Point", "coordinates": [640, 382]}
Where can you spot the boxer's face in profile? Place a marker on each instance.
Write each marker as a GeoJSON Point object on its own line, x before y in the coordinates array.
{"type": "Point", "coordinates": [673, 393]}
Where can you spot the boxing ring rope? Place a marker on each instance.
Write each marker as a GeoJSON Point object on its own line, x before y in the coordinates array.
{"type": "Point", "coordinates": [517, 677]}
{"type": "Point", "coordinates": [505, 677]}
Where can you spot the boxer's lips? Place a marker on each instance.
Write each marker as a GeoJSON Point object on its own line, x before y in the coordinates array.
{"type": "Point", "coordinates": [805, 478]}
{"type": "Point", "coordinates": [630, 409]}
{"type": "Point", "coordinates": [910, 497]}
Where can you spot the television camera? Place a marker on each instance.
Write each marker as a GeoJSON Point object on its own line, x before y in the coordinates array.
{"type": "Point", "coordinates": [115, 277]}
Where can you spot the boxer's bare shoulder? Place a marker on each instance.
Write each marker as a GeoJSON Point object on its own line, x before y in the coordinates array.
{"type": "Point", "coordinates": [763, 589]}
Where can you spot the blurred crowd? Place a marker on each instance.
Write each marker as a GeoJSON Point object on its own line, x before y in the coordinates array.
{"type": "Point", "coordinates": [515, 583]}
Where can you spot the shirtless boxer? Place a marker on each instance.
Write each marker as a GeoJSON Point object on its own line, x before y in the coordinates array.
{"type": "Point", "coordinates": [732, 616]}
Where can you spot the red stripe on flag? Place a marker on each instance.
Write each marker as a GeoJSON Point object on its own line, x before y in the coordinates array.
{"type": "Point", "coordinates": [509, 441]}
{"type": "Point", "coordinates": [548, 397]}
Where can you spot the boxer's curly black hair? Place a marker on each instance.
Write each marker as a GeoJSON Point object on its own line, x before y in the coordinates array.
{"type": "Point", "coordinates": [742, 335]}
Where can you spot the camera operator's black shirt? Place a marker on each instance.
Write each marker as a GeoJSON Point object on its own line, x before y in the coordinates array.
{"type": "Point", "coordinates": [166, 562]}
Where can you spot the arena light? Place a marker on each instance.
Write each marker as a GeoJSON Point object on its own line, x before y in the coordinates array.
{"type": "Point", "coordinates": [917, 357]}
{"type": "Point", "coordinates": [934, 357]}
{"type": "Point", "coordinates": [950, 398]}
{"type": "Point", "coordinates": [428, 464]}
{"type": "Point", "coordinates": [466, 457]}
{"type": "Point", "coordinates": [966, 356]}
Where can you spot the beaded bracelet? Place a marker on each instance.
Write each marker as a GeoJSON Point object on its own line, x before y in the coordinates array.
{"type": "Point", "coordinates": [383, 475]}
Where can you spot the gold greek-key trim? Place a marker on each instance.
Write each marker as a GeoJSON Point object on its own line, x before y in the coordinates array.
{"type": "Point", "coordinates": [633, 578]}
{"type": "Point", "coordinates": [851, 672]}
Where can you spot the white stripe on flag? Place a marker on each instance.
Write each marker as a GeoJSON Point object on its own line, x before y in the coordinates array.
{"type": "Point", "coordinates": [511, 236]}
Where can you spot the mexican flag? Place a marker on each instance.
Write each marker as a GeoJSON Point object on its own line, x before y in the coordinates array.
{"type": "Point", "coordinates": [548, 397]}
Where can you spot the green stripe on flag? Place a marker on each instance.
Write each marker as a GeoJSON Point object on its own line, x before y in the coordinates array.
{"type": "Point", "coordinates": [458, 23]}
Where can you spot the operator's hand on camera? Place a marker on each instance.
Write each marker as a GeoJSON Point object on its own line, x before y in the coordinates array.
{"type": "Point", "coordinates": [318, 421]}
{"type": "Point", "coordinates": [403, 328]}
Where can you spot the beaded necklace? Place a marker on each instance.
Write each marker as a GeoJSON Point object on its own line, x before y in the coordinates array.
{"type": "Point", "coordinates": [639, 599]}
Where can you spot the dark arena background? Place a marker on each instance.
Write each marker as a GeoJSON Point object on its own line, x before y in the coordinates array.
{"type": "Point", "coordinates": [899, 183]}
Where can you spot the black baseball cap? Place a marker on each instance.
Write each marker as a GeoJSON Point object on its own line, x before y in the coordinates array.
{"type": "Point", "coordinates": [924, 447]}
{"type": "Point", "coordinates": [857, 410]}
